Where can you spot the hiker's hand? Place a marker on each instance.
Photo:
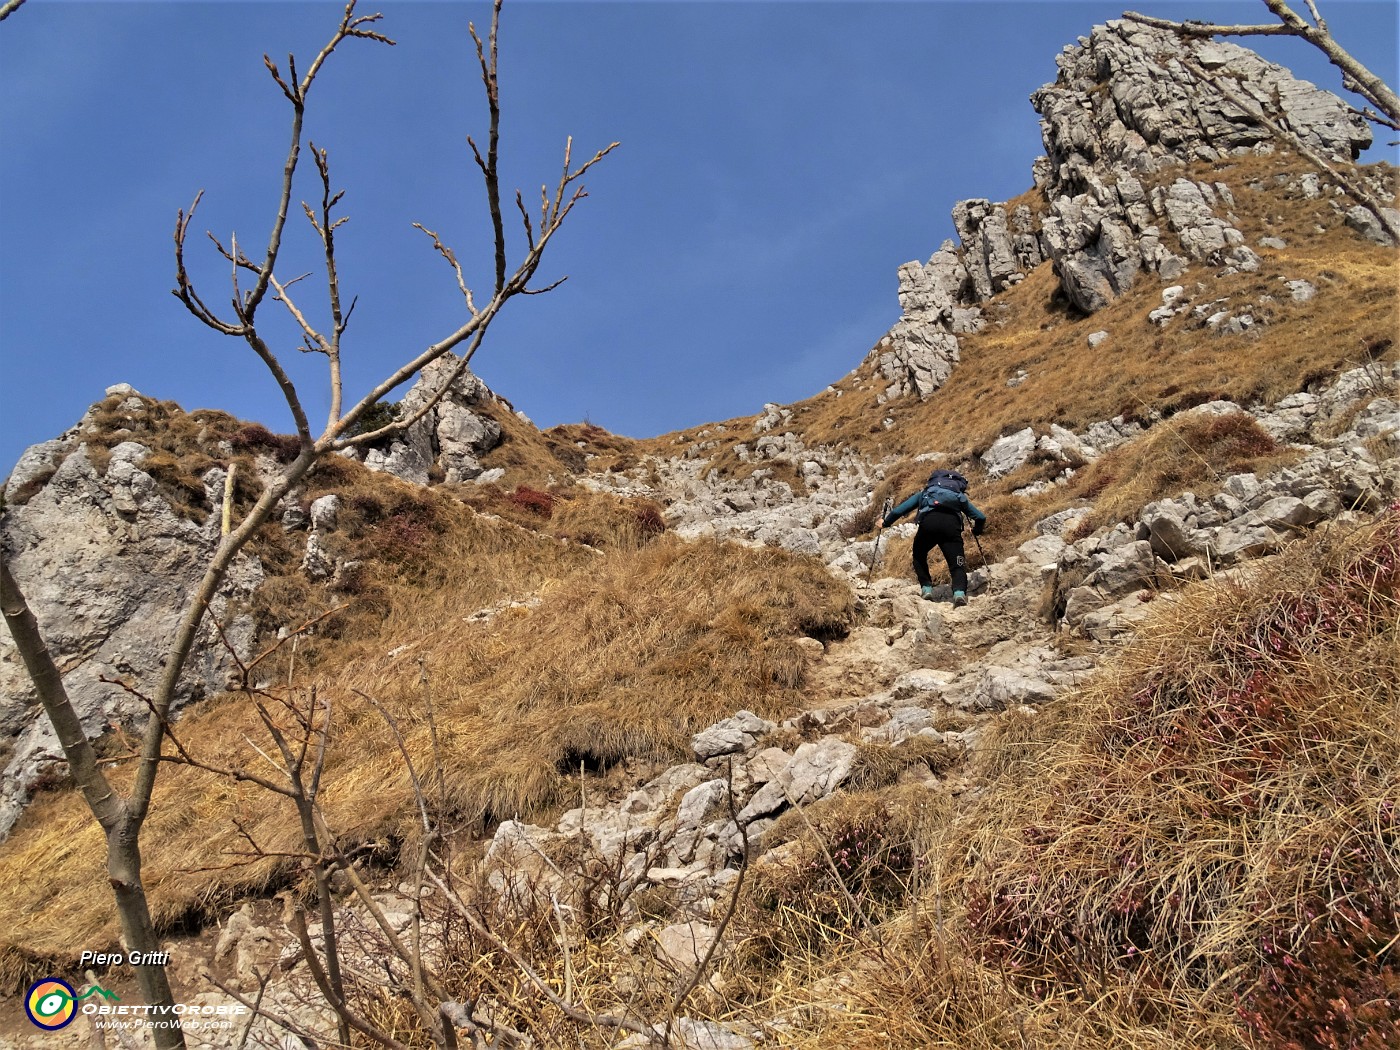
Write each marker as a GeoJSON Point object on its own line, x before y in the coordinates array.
{"type": "Point", "coordinates": [979, 528]}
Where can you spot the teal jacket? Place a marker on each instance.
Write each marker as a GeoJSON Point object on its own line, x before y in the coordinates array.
{"type": "Point", "coordinates": [949, 500]}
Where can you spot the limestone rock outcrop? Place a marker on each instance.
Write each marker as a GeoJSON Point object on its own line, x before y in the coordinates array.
{"type": "Point", "coordinates": [452, 435]}
{"type": "Point", "coordinates": [105, 563]}
{"type": "Point", "coordinates": [1129, 103]}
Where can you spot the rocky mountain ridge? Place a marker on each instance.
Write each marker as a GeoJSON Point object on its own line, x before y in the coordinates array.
{"type": "Point", "coordinates": [1130, 104]}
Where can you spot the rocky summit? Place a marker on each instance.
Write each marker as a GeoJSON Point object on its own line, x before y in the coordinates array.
{"type": "Point", "coordinates": [663, 729]}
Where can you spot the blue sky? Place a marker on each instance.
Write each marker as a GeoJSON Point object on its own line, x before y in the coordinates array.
{"type": "Point", "coordinates": [779, 160]}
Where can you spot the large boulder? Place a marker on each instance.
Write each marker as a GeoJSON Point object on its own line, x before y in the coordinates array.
{"type": "Point", "coordinates": [452, 434]}
{"type": "Point", "coordinates": [107, 566]}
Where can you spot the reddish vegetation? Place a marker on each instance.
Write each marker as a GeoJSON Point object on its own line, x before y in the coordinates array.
{"type": "Point", "coordinates": [533, 500]}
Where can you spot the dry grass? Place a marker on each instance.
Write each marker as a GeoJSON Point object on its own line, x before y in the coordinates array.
{"type": "Point", "coordinates": [1200, 850]}
{"type": "Point", "coordinates": [1197, 452]}
{"type": "Point", "coordinates": [626, 655]}
{"type": "Point", "coordinates": [1142, 370]}
{"type": "Point", "coordinates": [533, 457]}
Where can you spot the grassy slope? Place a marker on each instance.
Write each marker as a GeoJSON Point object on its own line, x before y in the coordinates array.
{"type": "Point", "coordinates": [630, 648]}
{"type": "Point", "coordinates": [1201, 849]}
{"type": "Point", "coordinates": [1141, 369]}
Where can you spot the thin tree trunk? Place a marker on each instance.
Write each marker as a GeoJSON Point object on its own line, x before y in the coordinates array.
{"type": "Point", "coordinates": [138, 933]}
{"type": "Point", "coordinates": [120, 825]}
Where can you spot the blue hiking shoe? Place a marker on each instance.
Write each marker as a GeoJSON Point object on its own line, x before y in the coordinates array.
{"type": "Point", "coordinates": [959, 599]}
{"type": "Point", "coordinates": [926, 593]}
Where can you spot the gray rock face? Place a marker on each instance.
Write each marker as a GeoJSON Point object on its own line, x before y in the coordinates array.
{"type": "Point", "coordinates": [816, 770]}
{"type": "Point", "coordinates": [1008, 453]}
{"type": "Point", "coordinates": [452, 435]}
{"type": "Point", "coordinates": [919, 353]}
{"type": "Point", "coordinates": [990, 254]}
{"type": "Point", "coordinates": [1136, 97]}
{"type": "Point", "coordinates": [1366, 223]}
{"type": "Point", "coordinates": [1130, 100]}
{"type": "Point", "coordinates": [105, 565]}
{"type": "Point", "coordinates": [1190, 211]}
{"type": "Point", "coordinates": [1096, 254]}
{"type": "Point", "coordinates": [735, 734]}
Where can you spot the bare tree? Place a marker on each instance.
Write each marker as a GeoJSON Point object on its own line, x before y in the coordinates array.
{"type": "Point", "coordinates": [122, 816]}
{"type": "Point", "coordinates": [1355, 76]}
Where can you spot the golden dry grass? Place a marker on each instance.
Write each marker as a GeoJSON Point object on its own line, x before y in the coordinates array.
{"type": "Point", "coordinates": [627, 654]}
{"type": "Point", "coordinates": [1201, 849]}
{"type": "Point", "coordinates": [1140, 371]}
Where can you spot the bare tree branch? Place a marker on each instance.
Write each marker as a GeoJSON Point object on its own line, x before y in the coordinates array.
{"type": "Point", "coordinates": [120, 821]}
{"type": "Point", "coordinates": [122, 818]}
{"type": "Point", "coordinates": [704, 964]}
{"type": "Point", "coordinates": [1193, 27]}
{"type": "Point", "coordinates": [569, 1010]}
{"type": "Point", "coordinates": [488, 166]}
{"type": "Point", "coordinates": [9, 8]}
{"type": "Point", "coordinates": [326, 229]}
{"type": "Point", "coordinates": [400, 426]}
{"type": "Point", "coordinates": [332, 995]}
{"type": "Point", "coordinates": [1355, 76]}
{"type": "Point", "coordinates": [451, 258]}
{"type": "Point", "coordinates": [258, 1010]}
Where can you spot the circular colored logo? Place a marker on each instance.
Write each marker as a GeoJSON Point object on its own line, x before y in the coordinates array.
{"type": "Point", "coordinates": [51, 1003]}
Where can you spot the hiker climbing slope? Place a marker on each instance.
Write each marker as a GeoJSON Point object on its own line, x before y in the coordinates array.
{"type": "Point", "coordinates": [941, 503]}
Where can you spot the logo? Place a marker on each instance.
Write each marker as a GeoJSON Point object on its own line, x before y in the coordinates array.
{"type": "Point", "coordinates": [51, 1004]}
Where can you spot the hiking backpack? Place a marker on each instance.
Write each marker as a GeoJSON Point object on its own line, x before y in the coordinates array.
{"type": "Point", "coordinates": [941, 492]}
{"type": "Point", "coordinates": [947, 479]}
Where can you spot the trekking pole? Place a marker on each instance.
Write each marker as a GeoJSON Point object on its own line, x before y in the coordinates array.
{"type": "Point", "coordinates": [875, 551]}
{"type": "Point", "coordinates": [987, 571]}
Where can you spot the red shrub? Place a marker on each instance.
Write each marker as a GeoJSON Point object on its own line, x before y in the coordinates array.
{"type": "Point", "coordinates": [533, 500]}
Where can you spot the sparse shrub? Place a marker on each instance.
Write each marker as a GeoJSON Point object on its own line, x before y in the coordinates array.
{"type": "Point", "coordinates": [402, 539]}
{"type": "Point", "coordinates": [600, 520]}
{"type": "Point", "coordinates": [333, 471]}
{"type": "Point", "coordinates": [1229, 438]}
{"type": "Point", "coordinates": [861, 522]}
{"type": "Point", "coordinates": [823, 890]}
{"type": "Point", "coordinates": [368, 506]}
{"type": "Point", "coordinates": [352, 579]}
{"type": "Point", "coordinates": [1187, 400]}
{"type": "Point", "coordinates": [1221, 818]}
{"type": "Point", "coordinates": [533, 500]}
{"type": "Point", "coordinates": [1332, 980]}
{"type": "Point", "coordinates": [378, 415]}
{"type": "Point", "coordinates": [403, 536]}
{"type": "Point", "coordinates": [648, 518]}
{"type": "Point", "coordinates": [254, 438]}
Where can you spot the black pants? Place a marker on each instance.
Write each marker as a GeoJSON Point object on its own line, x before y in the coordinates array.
{"type": "Point", "coordinates": [944, 530]}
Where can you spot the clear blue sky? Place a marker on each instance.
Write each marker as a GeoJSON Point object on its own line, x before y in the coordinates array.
{"type": "Point", "coordinates": [779, 161]}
